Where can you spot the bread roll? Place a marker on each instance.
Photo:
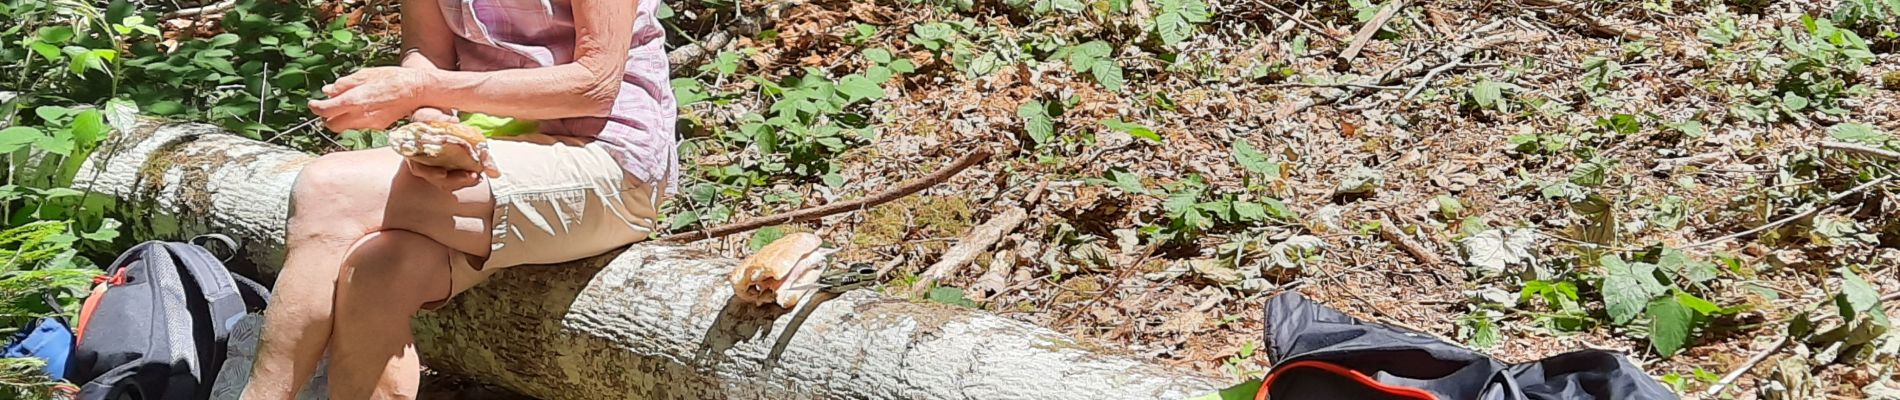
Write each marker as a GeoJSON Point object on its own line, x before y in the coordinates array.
{"type": "Point", "coordinates": [447, 145]}
{"type": "Point", "coordinates": [790, 261]}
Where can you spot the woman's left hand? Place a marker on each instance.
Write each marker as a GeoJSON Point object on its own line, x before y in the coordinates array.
{"type": "Point", "coordinates": [373, 98]}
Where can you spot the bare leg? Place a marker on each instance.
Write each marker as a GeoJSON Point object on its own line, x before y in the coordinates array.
{"type": "Point", "coordinates": [338, 199]}
{"type": "Point", "coordinates": [386, 278]}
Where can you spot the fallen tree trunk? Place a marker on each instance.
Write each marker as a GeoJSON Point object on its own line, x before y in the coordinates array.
{"type": "Point", "coordinates": [650, 322]}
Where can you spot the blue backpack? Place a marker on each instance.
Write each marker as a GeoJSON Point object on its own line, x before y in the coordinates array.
{"type": "Point", "coordinates": [48, 339]}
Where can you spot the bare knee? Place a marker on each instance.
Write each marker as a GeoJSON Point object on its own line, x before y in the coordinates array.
{"type": "Point", "coordinates": [395, 267]}
{"type": "Point", "coordinates": [340, 190]}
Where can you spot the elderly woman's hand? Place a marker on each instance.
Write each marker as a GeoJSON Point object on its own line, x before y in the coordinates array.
{"type": "Point", "coordinates": [373, 98]}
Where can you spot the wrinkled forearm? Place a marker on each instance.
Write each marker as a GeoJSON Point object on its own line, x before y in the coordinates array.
{"type": "Point", "coordinates": [561, 91]}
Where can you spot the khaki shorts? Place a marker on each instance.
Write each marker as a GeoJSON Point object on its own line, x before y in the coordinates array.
{"type": "Point", "coordinates": [554, 202]}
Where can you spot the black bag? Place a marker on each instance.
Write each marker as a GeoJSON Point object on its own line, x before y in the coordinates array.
{"type": "Point", "coordinates": [1320, 353]}
{"type": "Point", "coordinates": [155, 326]}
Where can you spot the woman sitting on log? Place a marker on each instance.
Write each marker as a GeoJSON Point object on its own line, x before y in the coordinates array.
{"type": "Point", "coordinates": [375, 237]}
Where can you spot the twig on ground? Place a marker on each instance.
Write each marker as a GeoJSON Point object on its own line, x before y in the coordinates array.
{"type": "Point", "coordinates": [1455, 54]}
{"type": "Point", "coordinates": [996, 277]}
{"type": "Point", "coordinates": [1109, 291]}
{"type": "Point", "coordinates": [1596, 25]}
{"type": "Point", "coordinates": [1389, 231]}
{"type": "Point", "coordinates": [806, 214]}
{"type": "Point", "coordinates": [1742, 370]}
{"type": "Point", "coordinates": [1883, 154]}
{"type": "Point", "coordinates": [1365, 33]}
{"type": "Point", "coordinates": [1427, 80]}
{"type": "Point", "coordinates": [1333, 85]}
{"type": "Point", "coordinates": [217, 8]}
{"type": "Point", "coordinates": [693, 54]}
{"type": "Point", "coordinates": [1667, 164]}
{"type": "Point", "coordinates": [1797, 216]}
{"type": "Point", "coordinates": [1321, 32]}
{"type": "Point", "coordinates": [970, 245]}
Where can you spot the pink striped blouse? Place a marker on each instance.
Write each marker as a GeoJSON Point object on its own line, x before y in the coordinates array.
{"type": "Point", "coordinates": [505, 34]}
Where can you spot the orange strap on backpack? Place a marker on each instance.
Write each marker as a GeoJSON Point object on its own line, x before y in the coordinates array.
{"type": "Point", "coordinates": [1399, 391]}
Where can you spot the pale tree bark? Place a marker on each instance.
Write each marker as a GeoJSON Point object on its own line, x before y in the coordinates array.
{"type": "Point", "coordinates": [651, 322]}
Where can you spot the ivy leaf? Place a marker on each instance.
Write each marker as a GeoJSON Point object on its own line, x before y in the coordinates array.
{"type": "Point", "coordinates": [1669, 325]}
{"type": "Point", "coordinates": [1109, 74]}
{"type": "Point", "coordinates": [108, 230]}
{"type": "Point", "coordinates": [764, 236]}
{"type": "Point", "coordinates": [1627, 288]}
{"type": "Point", "coordinates": [1676, 263]}
{"type": "Point", "coordinates": [1858, 133]}
{"type": "Point", "coordinates": [1487, 93]}
{"type": "Point", "coordinates": [1250, 211]}
{"type": "Point", "coordinates": [1175, 23]}
{"type": "Point", "coordinates": [1253, 160]}
{"type": "Point", "coordinates": [1036, 121]}
{"type": "Point", "coordinates": [682, 220]}
{"type": "Point", "coordinates": [1860, 297]}
{"type": "Point", "coordinates": [1085, 57]}
{"type": "Point", "coordinates": [1122, 179]}
{"type": "Point", "coordinates": [1620, 123]}
{"type": "Point", "coordinates": [57, 142]}
{"type": "Point", "coordinates": [1590, 174]}
{"type": "Point", "coordinates": [880, 56]}
{"type": "Point", "coordinates": [858, 87]}
{"type": "Point", "coordinates": [1484, 332]}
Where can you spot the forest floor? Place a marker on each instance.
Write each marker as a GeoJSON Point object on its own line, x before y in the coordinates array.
{"type": "Point", "coordinates": [1567, 175]}
{"type": "Point", "coordinates": [1687, 182]}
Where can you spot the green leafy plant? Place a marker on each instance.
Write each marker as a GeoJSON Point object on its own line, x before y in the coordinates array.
{"type": "Point", "coordinates": [1820, 72]}
{"type": "Point", "coordinates": [1662, 290]}
{"type": "Point", "coordinates": [967, 46]}
{"type": "Point", "coordinates": [1037, 121]}
{"type": "Point", "coordinates": [1097, 59]}
{"type": "Point", "coordinates": [1177, 19]}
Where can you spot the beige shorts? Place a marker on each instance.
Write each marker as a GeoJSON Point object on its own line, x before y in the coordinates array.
{"type": "Point", "coordinates": [556, 202]}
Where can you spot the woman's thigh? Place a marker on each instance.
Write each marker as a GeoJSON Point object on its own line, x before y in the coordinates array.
{"type": "Point", "coordinates": [374, 188]}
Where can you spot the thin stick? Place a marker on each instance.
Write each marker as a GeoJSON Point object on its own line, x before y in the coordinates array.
{"type": "Point", "coordinates": [1455, 54]}
{"type": "Point", "coordinates": [1595, 24]}
{"type": "Point", "coordinates": [1365, 33]}
{"type": "Point", "coordinates": [1746, 365]}
{"type": "Point", "coordinates": [1109, 291]}
{"type": "Point", "coordinates": [1738, 372]}
{"type": "Point", "coordinates": [218, 8]}
{"type": "Point", "coordinates": [1333, 85]}
{"type": "Point", "coordinates": [1309, 26]}
{"type": "Point", "coordinates": [1883, 154]}
{"type": "Point", "coordinates": [806, 214]}
{"type": "Point", "coordinates": [1427, 80]}
{"type": "Point", "coordinates": [1792, 218]}
{"type": "Point", "coordinates": [693, 54]}
{"type": "Point", "coordinates": [972, 244]}
{"type": "Point", "coordinates": [1391, 234]}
